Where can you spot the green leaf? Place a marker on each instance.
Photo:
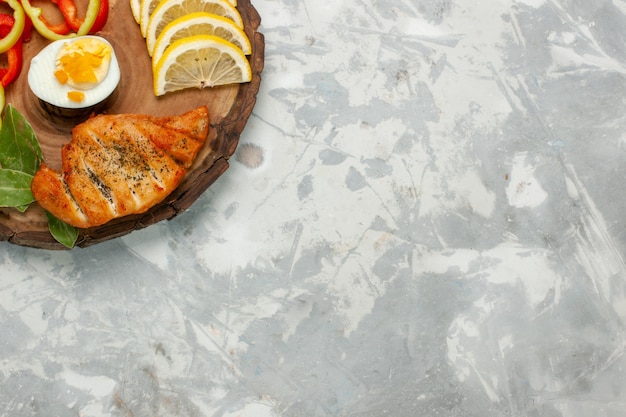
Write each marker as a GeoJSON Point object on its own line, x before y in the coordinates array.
{"type": "Point", "coordinates": [15, 188]}
{"type": "Point", "coordinates": [62, 232]}
{"type": "Point", "coordinates": [20, 157]}
{"type": "Point", "coordinates": [19, 148]}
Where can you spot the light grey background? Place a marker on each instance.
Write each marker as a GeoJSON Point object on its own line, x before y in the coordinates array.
{"type": "Point", "coordinates": [424, 217]}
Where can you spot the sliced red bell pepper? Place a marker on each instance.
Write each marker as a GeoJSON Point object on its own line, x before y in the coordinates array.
{"type": "Point", "coordinates": [14, 54]}
{"type": "Point", "coordinates": [6, 23]}
{"type": "Point", "coordinates": [28, 28]}
{"type": "Point", "coordinates": [101, 18]}
{"type": "Point", "coordinates": [70, 14]}
{"type": "Point", "coordinates": [14, 60]}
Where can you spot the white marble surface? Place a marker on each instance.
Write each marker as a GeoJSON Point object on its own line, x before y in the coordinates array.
{"type": "Point", "coordinates": [424, 218]}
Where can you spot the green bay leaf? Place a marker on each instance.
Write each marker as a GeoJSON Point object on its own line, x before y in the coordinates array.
{"type": "Point", "coordinates": [62, 232]}
{"type": "Point", "coordinates": [20, 150]}
{"type": "Point", "coordinates": [20, 157]}
{"type": "Point", "coordinates": [15, 188]}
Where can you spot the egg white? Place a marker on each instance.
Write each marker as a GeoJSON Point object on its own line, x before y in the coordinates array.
{"type": "Point", "coordinates": [46, 87]}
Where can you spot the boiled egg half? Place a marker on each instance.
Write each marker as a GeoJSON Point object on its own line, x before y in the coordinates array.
{"type": "Point", "coordinates": [75, 73]}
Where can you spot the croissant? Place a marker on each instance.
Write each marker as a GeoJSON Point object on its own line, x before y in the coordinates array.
{"type": "Point", "coordinates": [117, 165]}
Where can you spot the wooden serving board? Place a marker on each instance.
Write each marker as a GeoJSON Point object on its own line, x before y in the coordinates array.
{"type": "Point", "coordinates": [229, 107]}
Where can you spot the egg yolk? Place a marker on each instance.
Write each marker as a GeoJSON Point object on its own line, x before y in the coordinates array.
{"type": "Point", "coordinates": [82, 64]}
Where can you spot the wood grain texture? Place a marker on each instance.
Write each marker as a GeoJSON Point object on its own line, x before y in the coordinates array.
{"type": "Point", "coordinates": [229, 107]}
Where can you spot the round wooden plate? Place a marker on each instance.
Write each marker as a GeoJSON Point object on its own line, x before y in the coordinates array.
{"type": "Point", "coordinates": [229, 109]}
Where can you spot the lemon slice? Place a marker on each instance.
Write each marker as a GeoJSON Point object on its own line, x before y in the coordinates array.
{"type": "Point", "coordinates": [200, 61]}
{"type": "Point", "coordinates": [146, 7]}
{"type": "Point", "coordinates": [170, 10]}
{"type": "Point", "coordinates": [233, 2]}
{"type": "Point", "coordinates": [200, 23]}
{"type": "Point", "coordinates": [135, 6]}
